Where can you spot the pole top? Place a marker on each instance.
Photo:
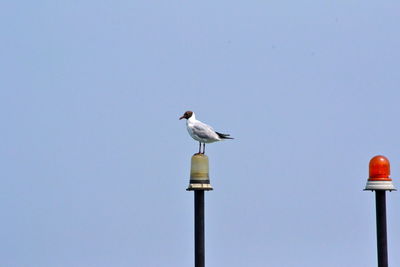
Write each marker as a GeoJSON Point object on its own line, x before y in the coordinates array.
{"type": "Point", "coordinates": [379, 174]}
{"type": "Point", "coordinates": [199, 173]}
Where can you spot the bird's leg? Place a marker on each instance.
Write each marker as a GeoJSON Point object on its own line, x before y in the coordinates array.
{"type": "Point", "coordinates": [204, 148]}
{"type": "Point", "coordinates": [199, 147]}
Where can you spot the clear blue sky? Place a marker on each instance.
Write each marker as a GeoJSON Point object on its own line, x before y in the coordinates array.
{"type": "Point", "coordinates": [95, 163]}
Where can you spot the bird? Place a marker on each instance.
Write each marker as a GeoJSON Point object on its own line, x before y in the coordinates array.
{"type": "Point", "coordinates": [202, 132]}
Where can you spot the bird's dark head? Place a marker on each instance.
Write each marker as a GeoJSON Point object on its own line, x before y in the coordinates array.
{"type": "Point", "coordinates": [187, 115]}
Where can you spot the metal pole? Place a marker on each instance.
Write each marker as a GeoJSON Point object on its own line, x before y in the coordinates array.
{"type": "Point", "coordinates": [199, 251]}
{"type": "Point", "coordinates": [199, 182]}
{"type": "Point", "coordinates": [381, 232]}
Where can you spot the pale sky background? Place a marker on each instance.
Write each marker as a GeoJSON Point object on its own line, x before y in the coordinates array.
{"type": "Point", "coordinates": [95, 163]}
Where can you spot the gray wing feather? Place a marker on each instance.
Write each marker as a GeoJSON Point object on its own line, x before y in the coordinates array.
{"type": "Point", "coordinates": [203, 131]}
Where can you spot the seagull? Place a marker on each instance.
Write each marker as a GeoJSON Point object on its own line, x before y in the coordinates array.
{"type": "Point", "coordinates": [202, 132]}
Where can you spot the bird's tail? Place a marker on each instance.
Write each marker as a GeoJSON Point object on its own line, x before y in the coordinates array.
{"type": "Point", "coordinates": [224, 136]}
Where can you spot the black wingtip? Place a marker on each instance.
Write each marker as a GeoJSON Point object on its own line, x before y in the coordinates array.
{"type": "Point", "coordinates": [224, 136]}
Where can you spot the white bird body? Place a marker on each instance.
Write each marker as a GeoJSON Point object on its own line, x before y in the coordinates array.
{"type": "Point", "coordinates": [202, 132]}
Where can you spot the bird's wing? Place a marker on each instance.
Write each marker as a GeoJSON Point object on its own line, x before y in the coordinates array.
{"type": "Point", "coordinates": [202, 130]}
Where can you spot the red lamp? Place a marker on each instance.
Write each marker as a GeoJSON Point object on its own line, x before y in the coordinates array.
{"type": "Point", "coordinates": [379, 169]}
{"type": "Point", "coordinates": [379, 172]}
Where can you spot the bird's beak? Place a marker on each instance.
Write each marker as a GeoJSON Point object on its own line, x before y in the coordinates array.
{"type": "Point", "coordinates": [182, 117]}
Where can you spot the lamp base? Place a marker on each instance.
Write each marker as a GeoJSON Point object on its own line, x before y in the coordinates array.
{"type": "Point", "coordinates": [205, 187]}
{"type": "Point", "coordinates": [379, 185]}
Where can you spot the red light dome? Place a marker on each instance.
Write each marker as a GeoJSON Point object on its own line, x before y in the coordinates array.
{"type": "Point", "coordinates": [379, 169]}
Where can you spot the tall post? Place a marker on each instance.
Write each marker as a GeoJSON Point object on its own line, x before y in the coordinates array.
{"type": "Point", "coordinates": [199, 182]}
{"type": "Point", "coordinates": [379, 181]}
{"type": "Point", "coordinates": [381, 232]}
{"type": "Point", "coordinates": [199, 253]}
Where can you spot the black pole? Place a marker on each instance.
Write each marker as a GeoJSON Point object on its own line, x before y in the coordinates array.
{"type": "Point", "coordinates": [381, 232]}
{"type": "Point", "coordinates": [199, 253]}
